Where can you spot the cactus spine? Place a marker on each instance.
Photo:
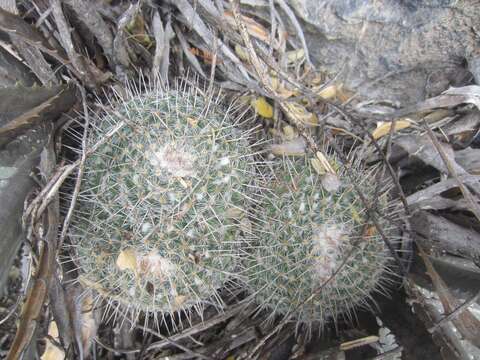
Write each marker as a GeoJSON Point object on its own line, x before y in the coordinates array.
{"type": "Point", "coordinates": [318, 256]}
{"type": "Point", "coordinates": [163, 202]}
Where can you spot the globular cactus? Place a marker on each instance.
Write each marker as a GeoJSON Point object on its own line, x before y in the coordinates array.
{"type": "Point", "coordinates": [164, 199]}
{"type": "Point", "coordinates": [318, 256]}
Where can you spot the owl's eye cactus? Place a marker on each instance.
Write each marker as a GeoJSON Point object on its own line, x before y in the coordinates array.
{"type": "Point", "coordinates": [319, 256]}
{"type": "Point", "coordinates": [164, 200]}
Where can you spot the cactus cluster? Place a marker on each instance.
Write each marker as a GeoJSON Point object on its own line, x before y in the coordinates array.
{"type": "Point", "coordinates": [164, 217]}
{"type": "Point", "coordinates": [163, 202]}
{"type": "Point", "coordinates": [319, 256]}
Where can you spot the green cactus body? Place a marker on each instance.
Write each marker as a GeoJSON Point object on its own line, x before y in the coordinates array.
{"type": "Point", "coordinates": [309, 234]}
{"type": "Point", "coordinates": [162, 201]}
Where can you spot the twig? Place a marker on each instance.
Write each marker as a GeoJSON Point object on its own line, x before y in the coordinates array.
{"type": "Point", "coordinates": [387, 354]}
{"type": "Point", "coordinates": [122, 351]}
{"type": "Point", "coordinates": [197, 328]}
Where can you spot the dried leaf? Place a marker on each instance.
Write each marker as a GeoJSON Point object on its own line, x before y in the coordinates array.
{"type": "Point", "coordinates": [205, 55]}
{"type": "Point", "coordinates": [89, 324]}
{"type": "Point", "coordinates": [262, 107]}
{"type": "Point", "coordinates": [254, 28]}
{"type": "Point", "coordinates": [423, 148]}
{"type": "Point", "coordinates": [383, 128]}
{"type": "Point", "coordinates": [280, 89]}
{"type": "Point", "coordinates": [127, 260]}
{"type": "Point", "coordinates": [325, 163]}
{"type": "Point", "coordinates": [452, 97]}
{"type": "Point", "coordinates": [52, 352]}
{"type": "Point", "coordinates": [136, 28]}
{"type": "Point", "coordinates": [242, 53]}
{"type": "Point", "coordinates": [317, 165]}
{"type": "Point", "coordinates": [329, 92]}
{"type": "Point", "coordinates": [300, 114]}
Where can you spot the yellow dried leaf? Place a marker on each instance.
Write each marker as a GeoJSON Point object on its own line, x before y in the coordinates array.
{"type": "Point", "coordinates": [329, 92]}
{"type": "Point", "coordinates": [52, 352]}
{"type": "Point", "coordinates": [299, 113]}
{"type": "Point", "coordinates": [262, 107]}
{"type": "Point", "coordinates": [127, 260]}
{"type": "Point", "coordinates": [242, 53]}
{"type": "Point", "coordinates": [383, 128]}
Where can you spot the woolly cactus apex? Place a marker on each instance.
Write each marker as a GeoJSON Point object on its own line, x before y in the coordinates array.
{"type": "Point", "coordinates": [163, 200]}
{"type": "Point", "coordinates": [319, 256]}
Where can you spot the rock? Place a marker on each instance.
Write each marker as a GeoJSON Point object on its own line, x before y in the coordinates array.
{"type": "Point", "coordinates": [418, 47]}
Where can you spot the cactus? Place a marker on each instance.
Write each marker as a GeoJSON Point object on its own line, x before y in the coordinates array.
{"type": "Point", "coordinates": [318, 256]}
{"type": "Point", "coordinates": [163, 200]}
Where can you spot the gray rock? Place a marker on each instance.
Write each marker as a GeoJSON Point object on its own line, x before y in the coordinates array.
{"type": "Point", "coordinates": [417, 47]}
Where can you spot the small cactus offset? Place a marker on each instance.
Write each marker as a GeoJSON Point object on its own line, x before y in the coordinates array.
{"type": "Point", "coordinates": [163, 200]}
{"type": "Point", "coordinates": [318, 256]}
